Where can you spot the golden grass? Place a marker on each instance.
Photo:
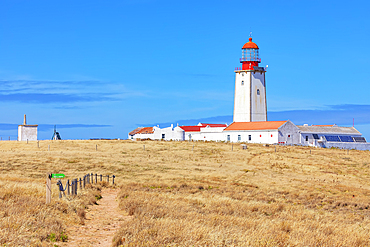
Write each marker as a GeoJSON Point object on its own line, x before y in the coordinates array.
{"type": "Point", "coordinates": [209, 196]}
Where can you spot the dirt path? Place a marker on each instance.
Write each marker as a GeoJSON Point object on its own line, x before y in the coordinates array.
{"type": "Point", "coordinates": [101, 223]}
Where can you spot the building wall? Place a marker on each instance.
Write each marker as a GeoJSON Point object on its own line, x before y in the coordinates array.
{"type": "Point", "coordinates": [170, 133]}
{"type": "Point", "coordinates": [314, 143]}
{"type": "Point", "coordinates": [27, 133]}
{"type": "Point", "coordinates": [289, 134]}
{"type": "Point", "coordinates": [258, 102]}
{"type": "Point", "coordinates": [256, 136]}
{"type": "Point", "coordinates": [242, 96]}
{"type": "Point", "coordinates": [206, 134]}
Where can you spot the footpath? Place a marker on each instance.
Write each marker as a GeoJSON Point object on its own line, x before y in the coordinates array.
{"type": "Point", "coordinates": [101, 223]}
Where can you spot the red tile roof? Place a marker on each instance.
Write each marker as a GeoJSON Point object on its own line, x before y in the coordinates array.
{"type": "Point", "coordinates": [135, 131]}
{"type": "Point", "coordinates": [142, 130]}
{"type": "Point", "coordinates": [213, 125]}
{"type": "Point", "coordinates": [197, 128]}
{"type": "Point", "coordinates": [263, 125]}
{"type": "Point", "coordinates": [146, 130]}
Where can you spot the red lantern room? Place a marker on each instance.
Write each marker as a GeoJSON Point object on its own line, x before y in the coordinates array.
{"type": "Point", "coordinates": [250, 55]}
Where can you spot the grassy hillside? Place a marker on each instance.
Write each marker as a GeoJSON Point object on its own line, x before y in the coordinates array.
{"type": "Point", "coordinates": [182, 193]}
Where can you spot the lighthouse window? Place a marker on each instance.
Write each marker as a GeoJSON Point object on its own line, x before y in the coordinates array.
{"type": "Point", "coordinates": [242, 83]}
{"type": "Point", "coordinates": [258, 92]}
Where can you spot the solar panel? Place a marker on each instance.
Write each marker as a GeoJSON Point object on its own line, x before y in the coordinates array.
{"type": "Point", "coordinates": [359, 139]}
{"type": "Point", "coordinates": [316, 136]}
{"type": "Point", "coordinates": [346, 138]}
{"type": "Point", "coordinates": [332, 138]}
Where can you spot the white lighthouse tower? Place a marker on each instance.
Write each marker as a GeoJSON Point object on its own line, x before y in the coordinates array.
{"type": "Point", "coordinates": [250, 87]}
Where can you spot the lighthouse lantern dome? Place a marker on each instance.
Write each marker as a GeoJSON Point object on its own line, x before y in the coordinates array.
{"type": "Point", "coordinates": [250, 55]}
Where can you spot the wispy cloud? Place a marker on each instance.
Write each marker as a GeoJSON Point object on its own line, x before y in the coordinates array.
{"type": "Point", "coordinates": [48, 127]}
{"type": "Point", "coordinates": [34, 91]}
{"type": "Point", "coordinates": [54, 97]}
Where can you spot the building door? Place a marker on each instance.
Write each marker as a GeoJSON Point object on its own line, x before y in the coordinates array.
{"type": "Point", "coordinates": [289, 139]}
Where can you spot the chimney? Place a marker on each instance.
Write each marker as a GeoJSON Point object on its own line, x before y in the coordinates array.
{"type": "Point", "coordinates": [24, 121]}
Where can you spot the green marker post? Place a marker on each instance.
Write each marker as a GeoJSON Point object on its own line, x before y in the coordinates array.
{"type": "Point", "coordinates": [57, 175]}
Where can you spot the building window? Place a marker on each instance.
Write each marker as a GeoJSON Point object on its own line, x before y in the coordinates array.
{"type": "Point", "coordinates": [249, 137]}
{"type": "Point", "coordinates": [288, 135]}
{"type": "Point", "coordinates": [242, 83]}
{"type": "Point", "coordinates": [163, 136]}
{"type": "Point", "coordinates": [239, 138]}
{"type": "Point", "coordinates": [258, 92]}
{"type": "Point", "coordinates": [242, 74]}
{"type": "Point", "coordinates": [306, 138]}
{"type": "Point", "coordinates": [189, 137]}
{"type": "Point", "coordinates": [228, 138]}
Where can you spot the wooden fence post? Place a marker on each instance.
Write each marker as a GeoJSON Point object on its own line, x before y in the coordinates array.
{"type": "Point", "coordinates": [60, 184]}
{"type": "Point", "coordinates": [68, 187]}
{"type": "Point", "coordinates": [232, 147]}
{"type": "Point", "coordinates": [48, 188]}
{"type": "Point", "coordinates": [73, 187]}
{"type": "Point", "coordinates": [144, 147]}
{"type": "Point", "coordinates": [96, 147]}
{"type": "Point", "coordinates": [101, 177]}
{"type": "Point", "coordinates": [92, 178]}
{"type": "Point", "coordinates": [96, 178]}
{"type": "Point", "coordinates": [48, 147]}
{"type": "Point", "coordinates": [84, 181]}
{"type": "Point", "coordinates": [108, 179]}
{"type": "Point", "coordinates": [113, 178]}
{"type": "Point", "coordinates": [76, 186]}
{"type": "Point", "coordinates": [38, 144]}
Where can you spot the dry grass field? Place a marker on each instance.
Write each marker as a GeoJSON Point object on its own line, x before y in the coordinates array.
{"type": "Point", "coordinates": [191, 194]}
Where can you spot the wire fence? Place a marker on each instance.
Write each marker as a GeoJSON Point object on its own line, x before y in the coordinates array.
{"type": "Point", "coordinates": [72, 187]}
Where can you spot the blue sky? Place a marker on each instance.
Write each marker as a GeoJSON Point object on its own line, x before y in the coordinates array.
{"type": "Point", "coordinates": [98, 69]}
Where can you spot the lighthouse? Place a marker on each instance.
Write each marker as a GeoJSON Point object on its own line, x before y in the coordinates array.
{"type": "Point", "coordinates": [250, 86]}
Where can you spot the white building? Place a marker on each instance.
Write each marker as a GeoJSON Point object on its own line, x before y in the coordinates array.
{"type": "Point", "coordinates": [27, 132]}
{"type": "Point", "coordinates": [204, 132]}
{"type": "Point", "coordinates": [200, 132]}
{"type": "Point", "coordinates": [270, 132]}
{"type": "Point", "coordinates": [332, 136]}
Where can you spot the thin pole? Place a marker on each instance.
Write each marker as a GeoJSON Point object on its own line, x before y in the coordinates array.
{"type": "Point", "coordinates": [144, 147]}
{"type": "Point", "coordinates": [48, 188]}
{"type": "Point", "coordinates": [96, 147]}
